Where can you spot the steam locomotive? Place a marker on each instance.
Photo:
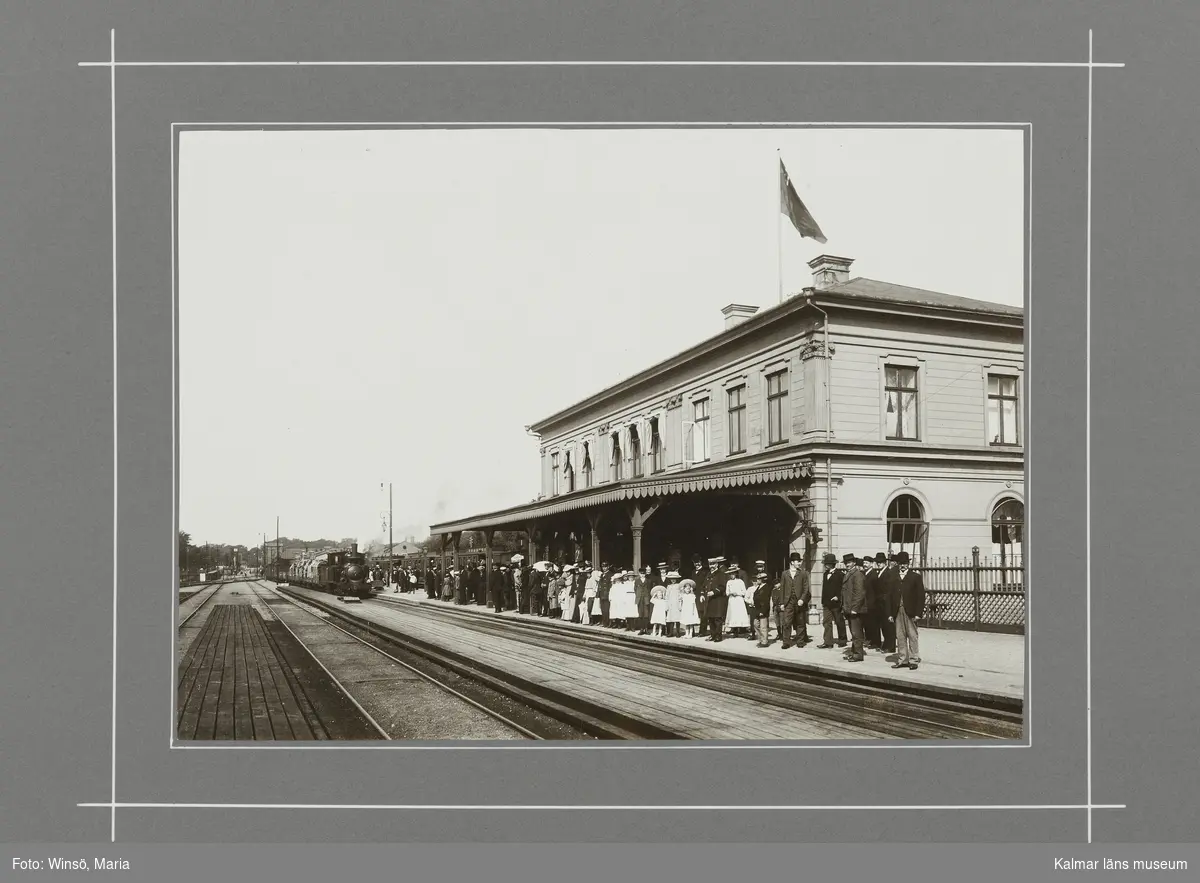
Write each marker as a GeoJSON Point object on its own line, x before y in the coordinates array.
{"type": "Point", "coordinates": [342, 573]}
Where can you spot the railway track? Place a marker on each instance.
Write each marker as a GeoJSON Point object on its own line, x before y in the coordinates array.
{"type": "Point", "coordinates": [893, 712]}
{"type": "Point", "coordinates": [579, 714]}
{"type": "Point", "coordinates": [310, 609]}
{"type": "Point", "coordinates": [203, 601]}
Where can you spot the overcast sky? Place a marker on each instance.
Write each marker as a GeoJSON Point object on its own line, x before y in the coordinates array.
{"type": "Point", "coordinates": [474, 281]}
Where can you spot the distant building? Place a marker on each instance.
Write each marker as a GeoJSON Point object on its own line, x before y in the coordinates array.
{"type": "Point", "coordinates": [857, 416]}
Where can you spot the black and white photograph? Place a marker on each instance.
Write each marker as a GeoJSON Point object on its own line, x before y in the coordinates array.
{"type": "Point", "coordinates": [590, 433]}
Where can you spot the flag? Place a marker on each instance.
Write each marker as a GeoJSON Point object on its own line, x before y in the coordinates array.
{"type": "Point", "coordinates": [790, 205]}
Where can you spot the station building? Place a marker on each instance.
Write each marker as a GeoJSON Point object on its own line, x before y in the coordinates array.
{"type": "Point", "coordinates": [855, 416]}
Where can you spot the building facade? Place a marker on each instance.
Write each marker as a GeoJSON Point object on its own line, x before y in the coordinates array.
{"type": "Point", "coordinates": [856, 416]}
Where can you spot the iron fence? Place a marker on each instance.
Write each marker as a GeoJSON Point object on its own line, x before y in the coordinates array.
{"type": "Point", "coordinates": [980, 593]}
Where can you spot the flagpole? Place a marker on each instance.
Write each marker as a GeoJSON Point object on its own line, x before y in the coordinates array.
{"type": "Point", "coordinates": [779, 222]}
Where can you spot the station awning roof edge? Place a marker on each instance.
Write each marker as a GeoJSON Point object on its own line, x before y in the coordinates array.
{"type": "Point", "coordinates": [633, 489]}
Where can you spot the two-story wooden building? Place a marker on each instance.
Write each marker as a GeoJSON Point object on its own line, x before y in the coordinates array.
{"type": "Point", "coordinates": [855, 416]}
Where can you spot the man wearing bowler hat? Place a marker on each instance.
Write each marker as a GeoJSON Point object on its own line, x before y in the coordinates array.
{"type": "Point", "coordinates": [794, 594]}
{"type": "Point", "coordinates": [887, 588]}
{"type": "Point", "coordinates": [854, 598]}
{"type": "Point", "coordinates": [831, 603]}
{"type": "Point", "coordinates": [874, 614]}
{"type": "Point", "coordinates": [716, 600]}
{"type": "Point", "coordinates": [907, 606]}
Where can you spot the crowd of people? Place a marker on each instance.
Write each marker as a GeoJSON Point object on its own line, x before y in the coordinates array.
{"type": "Point", "coordinates": [867, 602]}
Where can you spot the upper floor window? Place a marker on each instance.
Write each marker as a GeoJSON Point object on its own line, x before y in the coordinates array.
{"type": "Point", "coordinates": [700, 431]}
{"type": "Point", "coordinates": [587, 464]}
{"type": "Point", "coordinates": [554, 473]}
{"type": "Point", "coordinates": [737, 420]}
{"type": "Point", "coordinates": [777, 410]}
{"type": "Point", "coordinates": [615, 463]}
{"type": "Point", "coordinates": [569, 473]}
{"type": "Point", "coordinates": [900, 388]}
{"type": "Point", "coordinates": [635, 451]}
{"type": "Point", "coordinates": [1002, 409]}
{"type": "Point", "coordinates": [656, 452]}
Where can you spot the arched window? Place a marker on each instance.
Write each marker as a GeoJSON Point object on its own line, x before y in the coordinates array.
{"type": "Point", "coordinates": [907, 530]}
{"type": "Point", "coordinates": [1008, 529]}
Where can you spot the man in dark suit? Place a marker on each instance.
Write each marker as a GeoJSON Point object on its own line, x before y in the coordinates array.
{"type": "Point", "coordinates": [538, 581]}
{"type": "Point", "coordinates": [606, 581]}
{"type": "Point", "coordinates": [871, 631]}
{"type": "Point", "coordinates": [831, 603]}
{"type": "Point", "coordinates": [701, 575]}
{"type": "Point", "coordinates": [887, 588]}
{"type": "Point", "coordinates": [795, 592]}
{"type": "Point", "coordinates": [641, 594]}
{"type": "Point", "coordinates": [578, 583]}
{"type": "Point", "coordinates": [854, 599]}
{"type": "Point", "coordinates": [908, 605]}
{"type": "Point", "coordinates": [717, 600]}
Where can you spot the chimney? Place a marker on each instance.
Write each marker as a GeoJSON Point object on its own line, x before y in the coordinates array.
{"type": "Point", "coordinates": [830, 270]}
{"type": "Point", "coordinates": [736, 314]}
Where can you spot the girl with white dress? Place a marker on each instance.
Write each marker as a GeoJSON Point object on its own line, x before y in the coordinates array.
{"type": "Point", "coordinates": [658, 609]}
{"type": "Point", "coordinates": [737, 617]}
{"type": "Point", "coordinates": [689, 615]}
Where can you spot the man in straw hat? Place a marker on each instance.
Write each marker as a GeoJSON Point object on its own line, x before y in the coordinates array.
{"type": "Point", "coordinates": [831, 603]}
{"type": "Point", "coordinates": [907, 606]}
{"type": "Point", "coordinates": [517, 583]}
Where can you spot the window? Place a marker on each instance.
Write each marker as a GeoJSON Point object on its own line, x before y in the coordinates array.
{"type": "Point", "coordinates": [554, 474]}
{"type": "Point", "coordinates": [700, 436]}
{"type": "Point", "coordinates": [616, 457]}
{"type": "Point", "coordinates": [1008, 526]}
{"type": "Point", "coordinates": [900, 388]}
{"type": "Point", "coordinates": [737, 420]}
{"type": "Point", "coordinates": [906, 528]}
{"type": "Point", "coordinates": [777, 409]}
{"type": "Point", "coordinates": [635, 451]}
{"type": "Point", "coordinates": [675, 435]}
{"type": "Point", "coordinates": [1002, 409]}
{"type": "Point", "coordinates": [587, 464]}
{"type": "Point", "coordinates": [656, 452]}
{"type": "Point", "coordinates": [569, 472]}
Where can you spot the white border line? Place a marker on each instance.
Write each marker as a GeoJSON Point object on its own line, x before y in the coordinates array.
{"type": "Point", "coordinates": [1087, 361]}
{"type": "Point", "coordinates": [597, 807]}
{"type": "Point", "coordinates": [112, 49]}
{"type": "Point", "coordinates": [177, 745]}
{"type": "Point", "coordinates": [1090, 65]}
{"type": "Point", "coordinates": [782, 64]}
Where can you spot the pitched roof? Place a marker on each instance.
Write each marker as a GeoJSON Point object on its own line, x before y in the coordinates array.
{"type": "Point", "coordinates": [873, 289]}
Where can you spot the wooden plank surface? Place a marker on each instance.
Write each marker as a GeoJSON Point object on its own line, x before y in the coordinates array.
{"type": "Point", "coordinates": [690, 709]}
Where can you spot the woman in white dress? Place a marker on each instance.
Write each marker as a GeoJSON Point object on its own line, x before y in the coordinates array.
{"type": "Point", "coordinates": [629, 608]}
{"type": "Point", "coordinates": [566, 601]}
{"type": "Point", "coordinates": [689, 615]}
{"type": "Point", "coordinates": [674, 597]}
{"type": "Point", "coordinates": [590, 590]}
{"type": "Point", "coordinates": [737, 618]}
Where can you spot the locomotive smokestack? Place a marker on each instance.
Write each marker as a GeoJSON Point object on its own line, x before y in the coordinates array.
{"type": "Point", "coordinates": [354, 548]}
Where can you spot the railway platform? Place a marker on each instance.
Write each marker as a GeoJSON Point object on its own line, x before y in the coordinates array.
{"type": "Point", "coordinates": [957, 663]}
{"type": "Point", "coordinates": [243, 676]}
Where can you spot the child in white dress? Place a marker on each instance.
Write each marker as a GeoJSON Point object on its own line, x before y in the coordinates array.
{"type": "Point", "coordinates": [689, 615]}
{"type": "Point", "coordinates": [658, 609]}
{"type": "Point", "coordinates": [674, 597]}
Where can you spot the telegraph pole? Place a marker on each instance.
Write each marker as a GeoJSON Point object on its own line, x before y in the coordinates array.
{"type": "Point", "coordinates": [277, 550]}
{"type": "Point", "coordinates": [391, 545]}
